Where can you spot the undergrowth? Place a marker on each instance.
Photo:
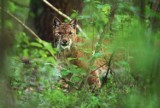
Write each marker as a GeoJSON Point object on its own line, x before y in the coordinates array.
{"type": "Point", "coordinates": [34, 75]}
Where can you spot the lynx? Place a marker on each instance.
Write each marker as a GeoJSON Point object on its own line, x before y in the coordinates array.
{"type": "Point", "coordinates": [66, 40]}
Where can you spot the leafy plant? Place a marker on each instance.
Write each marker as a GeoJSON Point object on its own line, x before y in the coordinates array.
{"type": "Point", "coordinates": [34, 70]}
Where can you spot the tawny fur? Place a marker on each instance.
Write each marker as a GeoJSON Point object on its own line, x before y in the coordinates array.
{"type": "Point", "coordinates": [67, 31]}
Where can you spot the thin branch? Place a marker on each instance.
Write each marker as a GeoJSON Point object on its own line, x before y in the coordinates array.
{"type": "Point", "coordinates": [104, 79]}
{"type": "Point", "coordinates": [65, 16]}
{"type": "Point", "coordinates": [55, 9]}
{"type": "Point", "coordinates": [29, 30]}
{"type": "Point", "coordinates": [100, 67]}
{"type": "Point", "coordinates": [20, 22]}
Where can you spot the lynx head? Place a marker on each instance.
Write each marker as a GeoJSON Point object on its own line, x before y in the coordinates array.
{"type": "Point", "coordinates": [64, 33]}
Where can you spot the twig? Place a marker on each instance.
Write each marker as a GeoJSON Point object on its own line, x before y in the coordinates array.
{"type": "Point", "coordinates": [55, 9]}
{"type": "Point", "coordinates": [20, 22]}
{"type": "Point", "coordinates": [65, 16]}
{"type": "Point", "coordinates": [99, 67]}
{"type": "Point", "coordinates": [27, 28]}
{"type": "Point", "coordinates": [104, 79]}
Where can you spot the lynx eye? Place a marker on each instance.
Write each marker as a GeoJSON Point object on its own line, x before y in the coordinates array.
{"type": "Point", "coordinates": [70, 33]}
{"type": "Point", "coordinates": [60, 33]}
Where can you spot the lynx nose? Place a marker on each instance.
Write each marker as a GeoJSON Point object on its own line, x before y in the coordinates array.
{"type": "Point", "coordinates": [64, 42]}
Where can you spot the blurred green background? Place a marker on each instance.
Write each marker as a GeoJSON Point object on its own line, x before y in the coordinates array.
{"type": "Point", "coordinates": [28, 77]}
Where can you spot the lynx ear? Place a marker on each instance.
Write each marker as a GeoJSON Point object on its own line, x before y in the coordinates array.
{"type": "Point", "coordinates": [73, 23]}
{"type": "Point", "coordinates": [56, 22]}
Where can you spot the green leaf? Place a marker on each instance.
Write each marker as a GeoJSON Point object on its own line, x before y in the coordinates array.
{"type": "Point", "coordinates": [97, 55]}
{"type": "Point", "coordinates": [65, 72]}
{"type": "Point", "coordinates": [75, 79]}
{"type": "Point", "coordinates": [36, 44]}
{"type": "Point", "coordinates": [12, 6]}
{"type": "Point", "coordinates": [99, 6]}
{"type": "Point", "coordinates": [106, 9]}
{"type": "Point", "coordinates": [69, 59]}
{"type": "Point", "coordinates": [48, 46]}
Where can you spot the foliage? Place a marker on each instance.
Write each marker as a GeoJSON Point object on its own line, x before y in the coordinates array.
{"type": "Point", "coordinates": [33, 69]}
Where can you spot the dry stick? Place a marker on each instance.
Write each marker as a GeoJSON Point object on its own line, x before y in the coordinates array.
{"type": "Point", "coordinates": [20, 22]}
{"type": "Point", "coordinates": [109, 70]}
{"type": "Point", "coordinates": [27, 28]}
{"type": "Point", "coordinates": [65, 16]}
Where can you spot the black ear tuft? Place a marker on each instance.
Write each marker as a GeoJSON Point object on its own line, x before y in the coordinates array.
{"type": "Point", "coordinates": [56, 22]}
{"type": "Point", "coordinates": [73, 23]}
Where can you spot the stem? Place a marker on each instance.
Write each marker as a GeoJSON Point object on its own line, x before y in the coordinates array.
{"type": "Point", "coordinates": [27, 28]}
{"type": "Point", "coordinates": [20, 22]}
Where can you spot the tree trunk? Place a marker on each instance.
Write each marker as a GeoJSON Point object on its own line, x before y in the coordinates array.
{"type": "Point", "coordinates": [140, 4]}
{"type": "Point", "coordinates": [6, 96]}
{"type": "Point", "coordinates": [155, 20]}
